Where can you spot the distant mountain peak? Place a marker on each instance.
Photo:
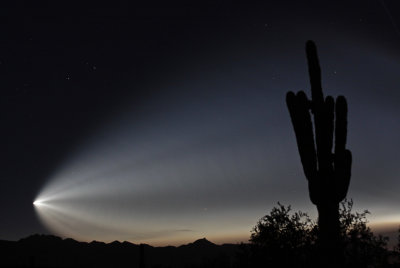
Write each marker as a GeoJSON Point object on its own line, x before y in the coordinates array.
{"type": "Point", "coordinates": [203, 242]}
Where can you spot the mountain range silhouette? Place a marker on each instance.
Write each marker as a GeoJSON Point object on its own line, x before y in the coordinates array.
{"type": "Point", "coordinates": [52, 251]}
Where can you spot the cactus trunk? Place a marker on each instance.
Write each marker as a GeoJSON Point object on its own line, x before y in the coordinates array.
{"type": "Point", "coordinates": [330, 244]}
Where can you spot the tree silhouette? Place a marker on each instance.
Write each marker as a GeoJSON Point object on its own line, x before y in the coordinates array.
{"type": "Point", "coordinates": [328, 173]}
{"type": "Point", "coordinates": [282, 239]}
{"type": "Point", "coordinates": [361, 247]}
{"type": "Point", "coordinates": [286, 239]}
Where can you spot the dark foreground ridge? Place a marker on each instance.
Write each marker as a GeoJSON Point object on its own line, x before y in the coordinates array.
{"type": "Point", "coordinates": [52, 251]}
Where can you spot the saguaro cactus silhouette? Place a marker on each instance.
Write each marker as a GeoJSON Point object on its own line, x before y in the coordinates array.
{"type": "Point", "coordinates": [328, 173]}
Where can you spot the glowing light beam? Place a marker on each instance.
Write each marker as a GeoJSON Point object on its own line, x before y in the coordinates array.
{"type": "Point", "coordinates": [37, 203]}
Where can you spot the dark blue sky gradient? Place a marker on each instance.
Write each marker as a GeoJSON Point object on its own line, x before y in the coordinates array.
{"type": "Point", "coordinates": [168, 123]}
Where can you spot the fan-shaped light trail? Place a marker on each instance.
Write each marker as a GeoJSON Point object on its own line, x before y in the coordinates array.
{"type": "Point", "coordinates": [186, 176]}
{"type": "Point", "coordinates": [211, 165]}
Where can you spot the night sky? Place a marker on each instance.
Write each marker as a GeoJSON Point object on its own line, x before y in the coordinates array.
{"type": "Point", "coordinates": [164, 123]}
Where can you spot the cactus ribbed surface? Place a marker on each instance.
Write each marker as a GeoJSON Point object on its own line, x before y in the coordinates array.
{"type": "Point", "coordinates": [328, 173]}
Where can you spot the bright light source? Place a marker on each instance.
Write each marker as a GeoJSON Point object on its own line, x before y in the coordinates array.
{"type": "Point", "coordinates": [37, 203]}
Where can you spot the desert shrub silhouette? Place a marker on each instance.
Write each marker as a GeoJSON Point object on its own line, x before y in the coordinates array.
{"type": "Point", "coordinates": [289, 239]}
{"type": "Point", "coordinates": [361, 247]}
{"type": "Point", "coordinates": [283, 239]}
{"type": "Point", "coordinates": [328, 173]}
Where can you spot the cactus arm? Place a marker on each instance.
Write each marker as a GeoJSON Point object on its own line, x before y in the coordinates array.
{"type": "Point", "coordinates": [329, 121]}
{"type": "Point", "coordinates": [343, 161]}
{"type": "Point", "coordinates": [343, 157]}
{"type": "Point", "coordinates": [341, 124]}
{"type": "Point", "coordinates": [301, 120]}
{"type": "Point", "coordinates": [319, 110]}
{"type": "Point", "coordinates": [325, 125]}
{"type": "Point", "coordinates": [298, 106]}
